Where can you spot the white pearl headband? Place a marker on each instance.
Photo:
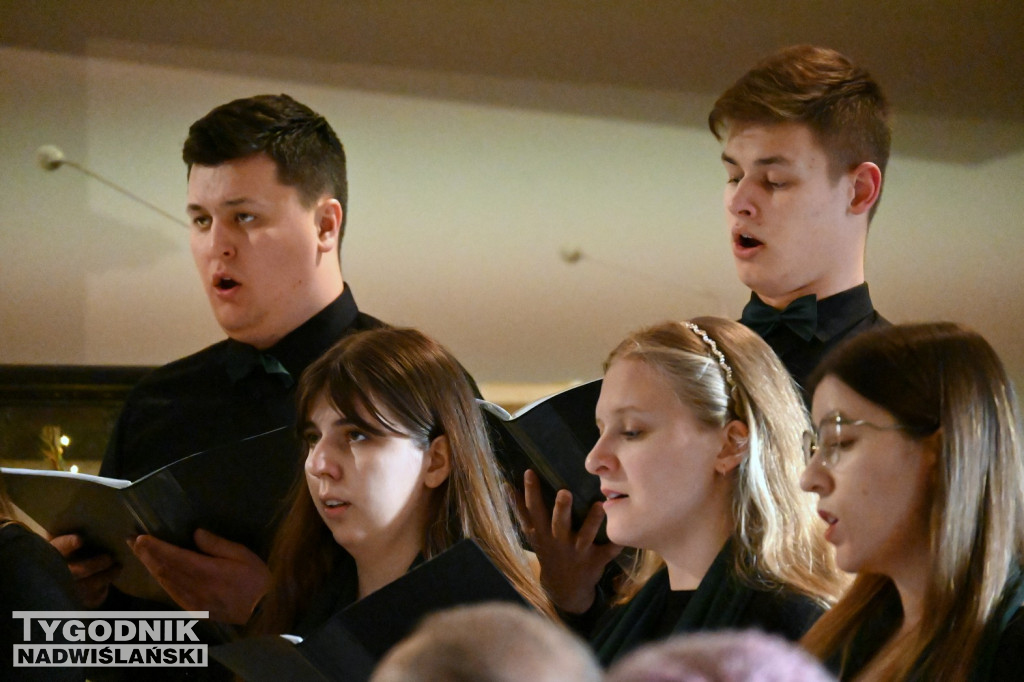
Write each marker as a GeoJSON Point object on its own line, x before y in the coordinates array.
{"type": "Point", "coordinates": [719, 355]}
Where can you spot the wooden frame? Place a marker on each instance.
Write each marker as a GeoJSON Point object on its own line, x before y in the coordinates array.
{"type": "Point", "coordinates": [41, 403]}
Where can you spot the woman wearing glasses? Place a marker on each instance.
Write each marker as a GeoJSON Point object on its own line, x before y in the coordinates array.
{"type": "Point", "coordinates": [918, 464]}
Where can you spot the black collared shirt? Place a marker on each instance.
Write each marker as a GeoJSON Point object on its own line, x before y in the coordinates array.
{"type": "Point", "coordinates": [211, 398]}
{"type": "Point", "coordinates": [840, 317]}
{"type": "Point", "coordinates": [199, 402]}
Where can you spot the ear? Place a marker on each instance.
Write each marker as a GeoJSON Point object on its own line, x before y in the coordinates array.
{"type": "Point", "coordinates": [438, 462]}
{"type": "Point", "coordinates": [736, 439]}
{"type": "Point", "coordinates": [933, 449]}
{"type": "Point", "coordinates": [867, 185]}
{"type": "Point", "coordinates": [327, 218]}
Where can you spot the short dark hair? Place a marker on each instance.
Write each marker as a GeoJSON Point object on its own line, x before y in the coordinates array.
{"type": "Point", "coordinates": [818, 87]}
{"type": "Point", "coordinates": [308, 154]}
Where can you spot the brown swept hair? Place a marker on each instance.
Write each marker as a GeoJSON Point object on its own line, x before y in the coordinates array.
{"type": "Point", "coordinates": [940, 378]}
{"type": "Point", "coordinates": [415, 380]}
{"type": "Point", "coordinates": [818, 87]}
{"type": "Point", "coordinates": [776, 540]}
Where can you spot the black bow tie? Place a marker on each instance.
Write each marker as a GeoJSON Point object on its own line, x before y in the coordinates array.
{"type": "Point", "coordinates": [800, 316]}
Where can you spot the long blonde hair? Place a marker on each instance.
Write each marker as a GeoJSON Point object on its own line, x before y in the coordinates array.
{"type": "Point", "coordinates": [940, 378]}
{"type": "Point", "coordinates": [426, 392]}
{"type": "Point", "coordinates": [775, 541]}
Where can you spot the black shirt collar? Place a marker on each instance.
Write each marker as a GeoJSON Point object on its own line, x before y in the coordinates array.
{"type": "Point", "coordinates": [839, 312]}
{"type": "Point", "coordinates": [304, 344]}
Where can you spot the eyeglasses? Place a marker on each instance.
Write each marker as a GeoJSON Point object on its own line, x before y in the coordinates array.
{"type": "Point", "coordinates": [828, 441]}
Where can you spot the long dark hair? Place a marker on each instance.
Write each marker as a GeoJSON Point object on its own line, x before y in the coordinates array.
{"type": "Point", "coordinates": [426, 393]}
{"type": "Point", "coordinates": [940, 378]}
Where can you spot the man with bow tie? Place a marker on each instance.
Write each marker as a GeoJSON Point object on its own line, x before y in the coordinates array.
{"type": "Point", "coordinates": [806, 140]}
{"type": "Point", "coordinates": [267, 195]}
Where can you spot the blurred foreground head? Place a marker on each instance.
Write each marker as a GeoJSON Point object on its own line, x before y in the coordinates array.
{"type": "Point", "coordinates": [491, 642]}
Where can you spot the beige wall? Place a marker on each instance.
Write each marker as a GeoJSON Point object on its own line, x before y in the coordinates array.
{"type": "Point", "coordinates": [458, 213]}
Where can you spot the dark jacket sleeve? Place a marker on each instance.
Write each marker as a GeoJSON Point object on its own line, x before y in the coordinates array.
{"type": "Point", "coordinates": [34, 578]}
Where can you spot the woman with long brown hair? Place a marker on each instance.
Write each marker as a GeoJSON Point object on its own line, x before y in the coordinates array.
{"type": "Point", "coordinates": [918, 464]}
{"type": "Point", "coordinates": [398, 468]}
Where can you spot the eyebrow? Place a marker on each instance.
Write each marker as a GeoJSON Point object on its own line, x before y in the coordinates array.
{"type": "Point", "coordinates": [831, 415]}
{"type": "Point", "coordinates": [766, 161]}
{"type": "Point", "coordinates": [372, 426]}
{"type": "Point", "coordinates": [229, 203]}
{"type": "Point", "coordinates": [629, 409]}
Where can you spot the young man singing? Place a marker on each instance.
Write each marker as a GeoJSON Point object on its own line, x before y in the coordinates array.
{"type": "Point", "coordinates": [806, 140]}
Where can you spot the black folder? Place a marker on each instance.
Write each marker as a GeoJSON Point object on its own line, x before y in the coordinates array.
{"type": "Point", "coordinates": [352, 641]}
{"type": "Point", "coordinates": [234, 490]}
{"type": "Point", "coordinates": [552, 436]}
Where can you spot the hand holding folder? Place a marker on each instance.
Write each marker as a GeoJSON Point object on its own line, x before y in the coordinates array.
{"type": "Point", "coordinates": [234, 491]}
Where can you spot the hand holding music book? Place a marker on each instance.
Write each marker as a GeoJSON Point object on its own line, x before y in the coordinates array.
{"type": "Point", "coordinates": [552, 436]}
{"type": "Point", "coordinates": [234, 491]}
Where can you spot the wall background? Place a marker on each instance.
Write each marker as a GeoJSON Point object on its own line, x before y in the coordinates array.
{"type": "Point", "coordinates": [483, 140]}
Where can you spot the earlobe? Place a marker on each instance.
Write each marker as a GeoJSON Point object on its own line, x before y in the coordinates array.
{"type": "Point", "coordinates": [736, 442]}
{"type": "Point", "coordinates": [933, 448]}
{"type": "Point", "coordinates": [867, 185]}
{"type": "Point", "coordinates": [438, 462]}
{"type": "Point", "coordinates": [328, 223]}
